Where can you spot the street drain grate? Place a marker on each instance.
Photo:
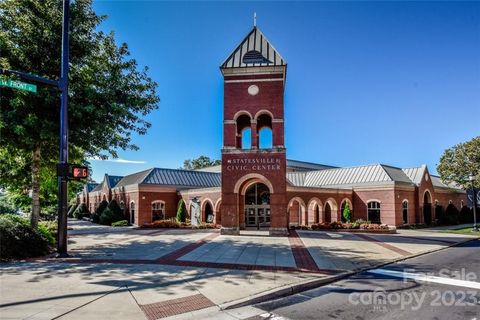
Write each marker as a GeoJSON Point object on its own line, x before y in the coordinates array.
{"type": "Point", "coordinates": [176, 306]}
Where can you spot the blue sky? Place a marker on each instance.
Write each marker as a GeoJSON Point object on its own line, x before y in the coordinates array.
{"type": "Point", "coordinates": [367, 82]}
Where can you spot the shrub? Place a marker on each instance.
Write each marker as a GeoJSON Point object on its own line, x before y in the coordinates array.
{"type": "Point", "coordinates": [121, 223]}
{"type": "Point", "coordinates": [112, 213]}
{"type": "Point", "coordinates": [47, 234]}
{"type": "Point", "coordinates": [336, 225]}
{"type": "Point", "coordinates": [7, 209]}
{"type": "Point", "coordinates": [19, 240]}
{"type": "Point", "coordinates": [81, 211]}
{"type": "Point", "coordinates": [347, 214]}
{"type": "Point", "coordinates": [162, 224]}
{"type": "Point", "coordinates": [466, 215]}
{"type": "Point", "coordinates": [181, 211]}
{"type": "Point", "coordinates": [72, 210]}
{"type": "Point", "coordinates": [451, 215]}
{"type": "Point", "coordinates": [98, 212]}
{"type": "Point", "coordinates": [320, 226]}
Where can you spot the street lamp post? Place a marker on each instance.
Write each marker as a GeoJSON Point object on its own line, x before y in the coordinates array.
{"type": "Point", "coordinates": [474, 202]}
{"type": "Point", "coordinates": [63, 179]}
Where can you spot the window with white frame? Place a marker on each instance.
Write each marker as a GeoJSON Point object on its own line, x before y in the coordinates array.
{"type": "Point", "coordinates": [374, 212]}
{"type": "Point", "coordinates": [158, 210]}
{"type": "Point", "coordinates": [405, 211]}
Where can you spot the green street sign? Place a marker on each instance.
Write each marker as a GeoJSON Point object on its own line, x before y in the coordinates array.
{"type": "Point", "coordinates": [18, 85]}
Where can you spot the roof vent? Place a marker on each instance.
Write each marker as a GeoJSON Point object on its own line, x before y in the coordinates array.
{"type": "Point", "coordinates": [254, 56]}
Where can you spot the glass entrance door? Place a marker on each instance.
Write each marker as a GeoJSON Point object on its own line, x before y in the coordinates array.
{"type": "Point", "coordinates": [257, 216]}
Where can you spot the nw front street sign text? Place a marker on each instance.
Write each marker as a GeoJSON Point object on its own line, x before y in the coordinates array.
{"type": "Point", "coordinates": [18, 85]}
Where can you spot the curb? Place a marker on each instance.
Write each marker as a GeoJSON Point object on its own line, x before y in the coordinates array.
{"type": "Point", "coordinates": [283, 291]}
{"type": "Point", "coordinates": [312, 284]}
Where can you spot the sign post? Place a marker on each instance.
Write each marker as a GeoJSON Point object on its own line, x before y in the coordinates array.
{"type": "Point", "coordinates": [62, 168]}
{"type": "Point", "coordinates": [63, 180]}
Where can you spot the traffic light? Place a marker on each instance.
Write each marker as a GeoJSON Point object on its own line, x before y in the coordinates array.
{"type": "Point", "coordinates": [79, 172]}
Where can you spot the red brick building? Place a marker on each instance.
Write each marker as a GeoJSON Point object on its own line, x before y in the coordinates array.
{"type": "Point", "coordinates": [256, 186]}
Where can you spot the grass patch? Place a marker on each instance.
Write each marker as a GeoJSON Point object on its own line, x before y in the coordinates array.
{"type": "Point", "coordinates": [467, 231]}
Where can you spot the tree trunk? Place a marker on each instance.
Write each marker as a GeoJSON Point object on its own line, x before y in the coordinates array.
{"type": "Point", "coordinates": [35, 187]}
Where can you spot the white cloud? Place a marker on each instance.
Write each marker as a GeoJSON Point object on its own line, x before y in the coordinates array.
{"type": "Point", "coordinates": [119, 160]}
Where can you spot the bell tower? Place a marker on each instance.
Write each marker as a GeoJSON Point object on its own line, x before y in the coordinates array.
{"type": "Point", "coordinates": [254, 154]}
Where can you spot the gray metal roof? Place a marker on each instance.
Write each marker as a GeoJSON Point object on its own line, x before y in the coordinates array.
{"type": "Point", "coordinates": [349, 177]}
{"type": "Point", "coordinates": [306, 166]}
{"type": "Point", "coordinates": [415, 174]}
{"type": "Point", "coordinates": [183, 178]}
{"type": "Point", "coordinates": [217, 168]}
{"type": "Point", "coordinates": [254, 51]}
{"type": "Point", "coordinates": [135, 178]}
{"type": "Point", "coordinates": [113, 180]}
{"type": "Point", "coordinates": [296, 178]}
{"type": "Point", "coordinates": [97, 188]}
{"type": "Point", "coordinates": [90, 186]}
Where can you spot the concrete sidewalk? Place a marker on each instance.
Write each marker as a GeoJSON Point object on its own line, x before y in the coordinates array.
{"type": "Point", "coordinates": [159, 273]}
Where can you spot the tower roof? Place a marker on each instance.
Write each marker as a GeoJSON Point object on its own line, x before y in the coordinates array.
{"type": "Point", "coordinates": [254, 51]}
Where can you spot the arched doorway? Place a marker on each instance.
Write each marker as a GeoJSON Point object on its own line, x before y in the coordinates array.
{"type": "Point", "coordinates": [315, 211]}
{"type": "Point", "coordinates": [427, 208]}
{"type": "Point", "coordinates": [208, 213]}
{"type": "Point", "coordinates": [257, 206]}
{"type": "Point", "coordinates": [132, 212]}
{"type": "Point", "coordinates": [328, 213]}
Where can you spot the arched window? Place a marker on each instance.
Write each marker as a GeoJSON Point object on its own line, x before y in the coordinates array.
{"type": "Point", "coordinates": [405, 211]}
{"type": "Point", "coordinates": [374, 212]}
{"type": "Point", "coordinates": [265, 138]}
{"type": "Point", "coordinates": [246, 138]}
{"type": "Point", "coordinates": [244, 132]}
{"type": "Point", "coordinates": [264, 128]}
{"type": "Point", "coordinates": [158, 210]}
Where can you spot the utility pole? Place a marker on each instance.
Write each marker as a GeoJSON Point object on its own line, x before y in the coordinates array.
{"type": "Point", "coordinates": [474, 202]}
{"type": "Point", "coordinates": [63, 163]}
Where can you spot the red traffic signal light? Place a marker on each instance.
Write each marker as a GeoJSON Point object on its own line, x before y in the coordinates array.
{"type": "Point", "coordinates": [79, 172]}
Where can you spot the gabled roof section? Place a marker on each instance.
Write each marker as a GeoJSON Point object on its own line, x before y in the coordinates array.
{"type": "Point", "coordinates": [90, 186]}
{"type": "Point", "coordinates": [183, 178]}
{"type": "Point", "coordinates": [135, 178]}
{"type": "Point", "coordinates": [348, 176]}
{"type": "Point", "coordinates": [254, 51]}
{"type": "Point", "coordinates": [296, 179]}
{"type": "Point", "coordinates": [113, 180]}
{"type": "Point", "coordinates": [415, 174]}
{"type": "Point", "coordinates": [375, 174]}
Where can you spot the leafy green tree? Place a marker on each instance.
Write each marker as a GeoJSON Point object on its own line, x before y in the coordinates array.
{"type": "Point", "coordinates": [181, 211]}
{"type": "Point", "coordinates": [199, 163]}
{"type": "Point", "coordinates": [461, 161]}
{"type": "Point", "coordinates": [108, 96]}
{"type": "Point", "coordinates": [347, 214]}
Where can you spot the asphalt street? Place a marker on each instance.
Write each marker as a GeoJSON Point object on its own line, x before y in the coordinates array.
{"type": "Point", "coordinates": [440, 285]}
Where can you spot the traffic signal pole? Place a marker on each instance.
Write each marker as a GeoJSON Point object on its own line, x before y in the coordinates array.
{"type": "Point", "coordinates": [63, 179]}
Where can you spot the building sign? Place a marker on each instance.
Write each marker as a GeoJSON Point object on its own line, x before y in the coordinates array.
{"type": "Point", "coordinates": [470, 197]}
{"type": "Point", "coordinates": [254, 164]}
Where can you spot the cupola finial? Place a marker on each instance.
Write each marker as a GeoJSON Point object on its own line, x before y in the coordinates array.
{"type": "Point", "coordinates": [254, 19]}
